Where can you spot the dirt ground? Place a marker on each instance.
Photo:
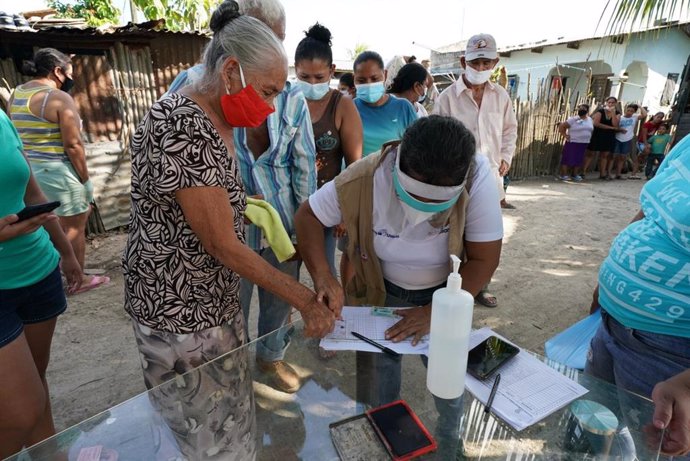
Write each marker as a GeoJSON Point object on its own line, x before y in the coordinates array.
{"type": "Point", "coordinates": [554, 243]}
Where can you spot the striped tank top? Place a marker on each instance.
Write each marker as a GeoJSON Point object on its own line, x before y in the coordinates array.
{"type": "Point", "coordinates": [42, 139]}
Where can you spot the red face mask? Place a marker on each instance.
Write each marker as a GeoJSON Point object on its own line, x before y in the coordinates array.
{"type": "Point", "coordinates": [245, 109]}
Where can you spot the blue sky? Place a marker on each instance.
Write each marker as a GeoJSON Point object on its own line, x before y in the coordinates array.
{"type": "Point", "coordinates": [390, 26]}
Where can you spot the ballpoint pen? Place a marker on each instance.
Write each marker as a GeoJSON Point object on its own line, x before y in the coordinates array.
{"type": "Point", "coordinates": [385, 349]}
{"type": "Point", "coordinates": [492, 395]}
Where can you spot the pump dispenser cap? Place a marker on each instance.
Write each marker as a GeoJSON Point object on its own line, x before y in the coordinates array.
{"type": "Point", "coordinates": [454, 279]}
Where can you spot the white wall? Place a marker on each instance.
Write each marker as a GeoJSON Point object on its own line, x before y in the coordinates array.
{"type": "Point", "coordinates": [664, 52]}
{"type": "Point", "coordinates": [647, 58]}
{"type": "Point", "coordinates": [600, 55]}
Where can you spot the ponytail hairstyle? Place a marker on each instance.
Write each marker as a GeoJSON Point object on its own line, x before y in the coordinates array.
{"type": "Point", "coordinates": [316, 45]}
{"type": "Point", "coordinates": [45, 61]}
{"type": "Point", "coordinates": [407, 76]}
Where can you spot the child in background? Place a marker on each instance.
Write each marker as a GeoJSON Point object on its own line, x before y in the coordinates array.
{"type": "Point", "coordinates": [346, 85]}
{"type": "Point", "coordinates": [657, 147]}
{"type": "Point", "coordinates": [624, 139]}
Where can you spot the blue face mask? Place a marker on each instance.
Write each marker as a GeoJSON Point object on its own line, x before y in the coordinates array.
{"type": "Point", "coordinates": [424, 207]}
{"type": "Point", "coordinates": [370, 92]}
{"type": "Point", "coordinates": [313, 91]}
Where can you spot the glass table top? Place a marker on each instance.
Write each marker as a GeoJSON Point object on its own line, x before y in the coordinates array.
{"type": "Point", "coordinates": [296, 426]}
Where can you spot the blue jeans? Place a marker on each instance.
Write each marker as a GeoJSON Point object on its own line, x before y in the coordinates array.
{"type": "Point", "coordinates": [273, 311]}
{"type": "Point", "coordinates": [635, 360]}
{"type": "Point", "coordinates": [329, 242]}
{"type": "Point", "coordinates": [383, 377]}
{"type": "Point", "coordinates": [650, 170]}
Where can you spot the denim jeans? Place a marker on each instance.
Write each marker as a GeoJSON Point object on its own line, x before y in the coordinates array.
{"type": "Point", "coordinates": [273, 311]}
{"type": "Point", "coordinates": [635, 360]}
{"type": "Point", "coordinates": [649, 169]}
{"type": "Point", "coordinates": [384, 377]}
{"type": "Point", "coordinates": [330, 241]}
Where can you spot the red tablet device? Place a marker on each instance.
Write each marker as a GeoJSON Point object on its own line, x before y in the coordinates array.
{"type": "Point", "coordinates": [401, 431]}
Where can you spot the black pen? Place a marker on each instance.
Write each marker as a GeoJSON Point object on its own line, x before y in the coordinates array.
{"type": "Point", "coordinates": [385, 349]}
{"type": "Point", "coordinates": [492, 395]}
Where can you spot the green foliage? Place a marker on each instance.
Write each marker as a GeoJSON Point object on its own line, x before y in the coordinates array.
{"type": "Point", "coordinates": [94, 12]}
{"type": "Point", "coordinates": [629, 14]}
{"type": "Point", "coordinates": [179, 14]}
{"type": "Point", "coordinates": [359, 48]}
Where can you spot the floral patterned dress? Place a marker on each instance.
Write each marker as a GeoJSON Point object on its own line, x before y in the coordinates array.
{"type": "Point", "coordinates": [184, 302]}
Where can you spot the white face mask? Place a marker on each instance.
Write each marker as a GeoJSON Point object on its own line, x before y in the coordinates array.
{"type": "Point", "coordinates": [476, 77]}
{"type": "Point", "coordinates": [422, 97]}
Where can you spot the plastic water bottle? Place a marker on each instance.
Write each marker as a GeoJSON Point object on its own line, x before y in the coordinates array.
{"type": "Point", "coordinates": [451, 323]}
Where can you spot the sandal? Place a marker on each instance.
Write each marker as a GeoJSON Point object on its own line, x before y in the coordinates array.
{"type": "Point", "coordinates": [486, 299]}
{"type": "Point", "coordinates": [96, 281]}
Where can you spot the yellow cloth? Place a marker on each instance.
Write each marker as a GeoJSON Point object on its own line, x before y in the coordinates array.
{"type": "Point", "coordinates": [263, 215]}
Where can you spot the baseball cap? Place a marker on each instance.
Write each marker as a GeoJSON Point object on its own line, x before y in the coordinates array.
{"type": "Point", "coordinates": [481, 46]}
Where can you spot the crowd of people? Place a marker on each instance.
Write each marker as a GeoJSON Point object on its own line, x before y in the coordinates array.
{"type": "Point", "coordinates": [363, 167]}
{"type": "Point", "coordinates": [610, 134]}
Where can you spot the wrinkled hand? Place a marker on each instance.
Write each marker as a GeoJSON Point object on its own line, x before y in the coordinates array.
{"type": "Point", "coordinates": [318, 319]}
{"type": "Point", "coordinates": [503, 168]}
{"type": "Point", "coordinates": [595, 300]}
{"type": "Point", "coordinates": [340, 230]}
{"type": "Point", "coordinates": [73, 272]}
{"type": "Point", "coordinates": [10, 228]}
{"type": "Point", "coordinates": [672, 412]}
{"type": "Point", "coordinates": [416, 322]}
{"type": "Point", "coordinates": [329, 292]}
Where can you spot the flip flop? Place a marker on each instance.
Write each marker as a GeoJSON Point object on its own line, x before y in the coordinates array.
{"type": "Point", "coordinates": [485, 299]}
{"type": "Point", "coordinates": [96, 281]}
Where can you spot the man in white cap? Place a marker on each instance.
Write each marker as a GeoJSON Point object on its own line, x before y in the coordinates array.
{"type": "Point", "coordinates": [486, 110]}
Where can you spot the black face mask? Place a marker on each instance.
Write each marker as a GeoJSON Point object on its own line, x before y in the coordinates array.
{"type": "Point", "coordinates": [582, 112]}
{"type": "Point", "coordinates": [67, 84]}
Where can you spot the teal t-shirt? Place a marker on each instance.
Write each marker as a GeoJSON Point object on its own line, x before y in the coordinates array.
{"type": "Point", "coordinates": [658, 143]}
{"type": "Point", "coordinates": [29, 258]}
{"type": "Point", "coordinates": [384, 123]}
{"type": "Point", "coordinates": [644, 282]}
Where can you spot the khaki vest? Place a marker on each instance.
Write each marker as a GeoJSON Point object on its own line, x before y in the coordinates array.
{"type": "Point", "coordinates": [355, 188]}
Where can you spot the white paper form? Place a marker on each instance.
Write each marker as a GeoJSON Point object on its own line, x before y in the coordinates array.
{"type": "Point", "coordinates": [361, 320]}
{"type": "Point", "coordinates": [529, 390]}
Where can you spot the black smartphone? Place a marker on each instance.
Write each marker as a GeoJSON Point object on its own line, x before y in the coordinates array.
{"type": "Point", "coordinates": [488, 356]}
{"type": "Point", "coordinates": [35, 210]}
{"type": "Point", "coordinates": [401, 430]}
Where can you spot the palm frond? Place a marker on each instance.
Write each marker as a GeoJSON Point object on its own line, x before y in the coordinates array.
{"type": "Point", "coordinates": [628, 15]}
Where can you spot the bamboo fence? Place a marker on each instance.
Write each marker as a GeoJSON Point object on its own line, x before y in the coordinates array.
{"type": "Point", "coordinates": [539, 145]}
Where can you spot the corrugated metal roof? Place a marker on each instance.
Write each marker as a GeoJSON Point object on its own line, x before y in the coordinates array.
{"type": "Point", "coordinates": [144, 29]}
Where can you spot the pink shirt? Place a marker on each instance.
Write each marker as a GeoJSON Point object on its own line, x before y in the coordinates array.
{"type": "Point", "coordinates": [494, 125]}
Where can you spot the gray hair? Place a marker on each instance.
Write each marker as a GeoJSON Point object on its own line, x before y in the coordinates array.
{"type": "Point", "coordinates": [249, 40]}
{"type": "Point", "coordinates": [271, 12]}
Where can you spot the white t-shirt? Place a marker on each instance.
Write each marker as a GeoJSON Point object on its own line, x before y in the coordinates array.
{"type": "Point", "coordinates": [421, 111]}
{"type": "Point", "coordinates": [580, 130]}
{"type": "Point", "coordinates": [629, 124]}
{"type": "Point", "coordinates": [416, 257]}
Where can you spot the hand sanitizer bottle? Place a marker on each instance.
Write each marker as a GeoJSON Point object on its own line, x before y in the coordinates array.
{"type": "Point", "coordinates": [451, 322]}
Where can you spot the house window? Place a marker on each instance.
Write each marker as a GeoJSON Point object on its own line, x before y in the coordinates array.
{"type": "Point", "coordinates": [513, 82]}
{"type": "Point", "coordinates": [601, 87]}
{"type": "Point", "coordinates": [669, 89]}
